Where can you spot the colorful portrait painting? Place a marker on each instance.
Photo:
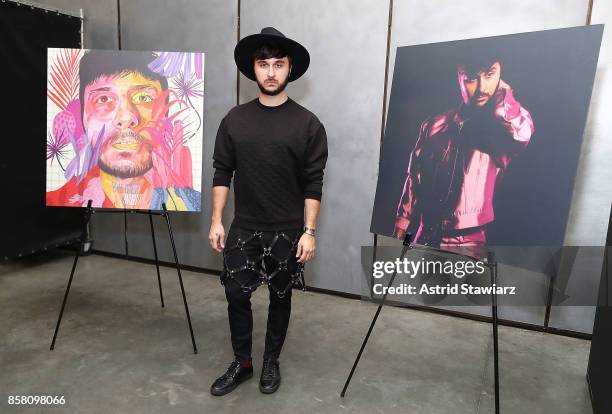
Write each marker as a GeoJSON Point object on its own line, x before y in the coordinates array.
{"type": "Point", "coordinates": [483, 138]}
{"type": "Point", "coordinates": [124, 129]}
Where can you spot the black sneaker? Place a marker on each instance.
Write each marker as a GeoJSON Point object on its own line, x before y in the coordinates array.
{"type": "Point", "coordinates": [270, 376]}
{"type": "Point", "coordinates": [234, 375]}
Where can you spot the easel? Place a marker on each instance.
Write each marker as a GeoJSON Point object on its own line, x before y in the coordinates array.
{"type": "Point", "coordinates": [88, 212]}
{"type": "Point", "coordinates": [490, 262]}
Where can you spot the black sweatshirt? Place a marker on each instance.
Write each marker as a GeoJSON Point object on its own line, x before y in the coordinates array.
{"type": "Point", "coordinates": [277, 155]}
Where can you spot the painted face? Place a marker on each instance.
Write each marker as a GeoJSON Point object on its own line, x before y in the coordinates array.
{"type": "Point", "coordinates": [478, 89]}
{"type": "Point", "coordinates": [272, 75]}
{"type": "Point", "coordinates": [123, 106]}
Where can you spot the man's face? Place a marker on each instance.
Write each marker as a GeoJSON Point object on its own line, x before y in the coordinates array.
{"type": "Point", "coordinates": [272, 74]}
{"type": "Point", "coordinates": [480, 87]}
{"type": "Point", "coordinates": [123, 106]}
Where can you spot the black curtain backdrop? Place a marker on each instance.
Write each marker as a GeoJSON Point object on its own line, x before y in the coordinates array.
{"type": "Point", "coordinates": [551, 73]}
{"type": "Point", "coordinates": [599, 373]}
{"type": "Point", "coordinates": [27, 226]}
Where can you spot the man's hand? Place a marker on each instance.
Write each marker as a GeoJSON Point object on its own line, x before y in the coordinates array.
{"type": "Point", "coordinates": [500, 94]}
{"type": "Point", "coordinates": [216, 236]}
{"type": "Point", "coordinates": [305, 248]}
{"type": "Point", "coordinates": [503, 85]}
{"type": "Point", "coordinates": [506, 106]}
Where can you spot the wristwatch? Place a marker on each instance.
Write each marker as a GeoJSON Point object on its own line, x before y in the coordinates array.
{"type": "Point", "coordinates": [310, 231]}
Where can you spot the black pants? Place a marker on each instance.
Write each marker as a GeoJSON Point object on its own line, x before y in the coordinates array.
{"type": "Point", "coordinates": [252, 258]}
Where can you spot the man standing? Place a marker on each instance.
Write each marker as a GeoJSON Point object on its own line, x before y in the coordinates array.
{"type": "Point", "coordinates": [276, 150]}
{"type": "Point", "coordinates": [448, 193]}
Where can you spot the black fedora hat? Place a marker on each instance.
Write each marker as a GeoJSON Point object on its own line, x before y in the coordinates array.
{"type": "Point", "coordinates": [243, 53]}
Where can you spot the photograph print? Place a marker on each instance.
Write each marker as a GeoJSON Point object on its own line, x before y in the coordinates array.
{"type": "Point", "coordinates": [483, 138]}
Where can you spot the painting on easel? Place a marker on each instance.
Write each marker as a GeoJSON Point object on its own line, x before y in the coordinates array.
{"type": "Point", "coordinates": [124, 129]}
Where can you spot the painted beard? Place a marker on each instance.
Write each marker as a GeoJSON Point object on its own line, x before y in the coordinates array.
{"type": "Point", "coordinates": [279, 88]}
{"type": "Point", "coordinates": [126, 168]}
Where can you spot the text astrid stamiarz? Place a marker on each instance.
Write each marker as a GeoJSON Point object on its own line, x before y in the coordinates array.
{"type": "Point", "coordinates": [405, 268]}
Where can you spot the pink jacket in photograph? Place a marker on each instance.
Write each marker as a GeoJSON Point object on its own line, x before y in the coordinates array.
{"type": "Point", "coordinates": [454, 166]}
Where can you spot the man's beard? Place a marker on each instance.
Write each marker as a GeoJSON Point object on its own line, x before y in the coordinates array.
{"type": "Point", "coordinates": [127, 169]}
{"type": "Point", "coordinates": [279, 89]}
{"type": "Point", "coordinates": [474, 101]}
{"type": "Point", "coordinates": [490, 101]}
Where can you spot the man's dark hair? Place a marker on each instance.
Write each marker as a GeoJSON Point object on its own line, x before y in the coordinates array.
{"type": "Point", "coordinates": [96, 63]}
{"type": "Point", "coordinates": [269, 51]}
{"type": "Point", "coordinates": [480, 62]}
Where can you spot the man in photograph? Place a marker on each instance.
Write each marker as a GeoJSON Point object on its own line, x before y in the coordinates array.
{"type": "Point", "coordinates": [276, 151]}
{"type": "Point", "coordinates": [447, 199]}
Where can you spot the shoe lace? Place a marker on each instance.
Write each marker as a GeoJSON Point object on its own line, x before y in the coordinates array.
{"type": "Point", "coordinates": [231, 370]}
{"type": "Point", "coordinates": [269, 369]}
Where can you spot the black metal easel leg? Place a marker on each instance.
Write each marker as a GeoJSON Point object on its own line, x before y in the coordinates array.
{"type": "Point", "coordinates": [493, 266]}
{"type": "Point", "coordinates": [125, 229]}
{"type": "Point", "coordinates": [178, 270]}
{"type": "Point", "coordinates": [382, 302]}
{"type": "Point", "coordinates": [88, 212]}
{"type": "Point", "coordinates": [161, 295]}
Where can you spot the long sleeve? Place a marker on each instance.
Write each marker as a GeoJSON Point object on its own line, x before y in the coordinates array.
{"type": "Point", "coordinates": [518, 125]}
{"type": "Point", "coordinates": [276, 156]}
{"type": "Point", "coordinates": [505, 132]}
{"type": "Point", "coordinates": [224, 158]}
{"type": "Point", "coordinates": [407, 208]}
{"type": "Point", "coordinates": [314, 163]}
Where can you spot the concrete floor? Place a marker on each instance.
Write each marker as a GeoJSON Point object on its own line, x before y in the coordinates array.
{"type": "Point", "coordinates": [118, 351]}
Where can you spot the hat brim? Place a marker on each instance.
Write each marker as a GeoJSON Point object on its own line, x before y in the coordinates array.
{"type": "Point", "coordinates": [243, 54]}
